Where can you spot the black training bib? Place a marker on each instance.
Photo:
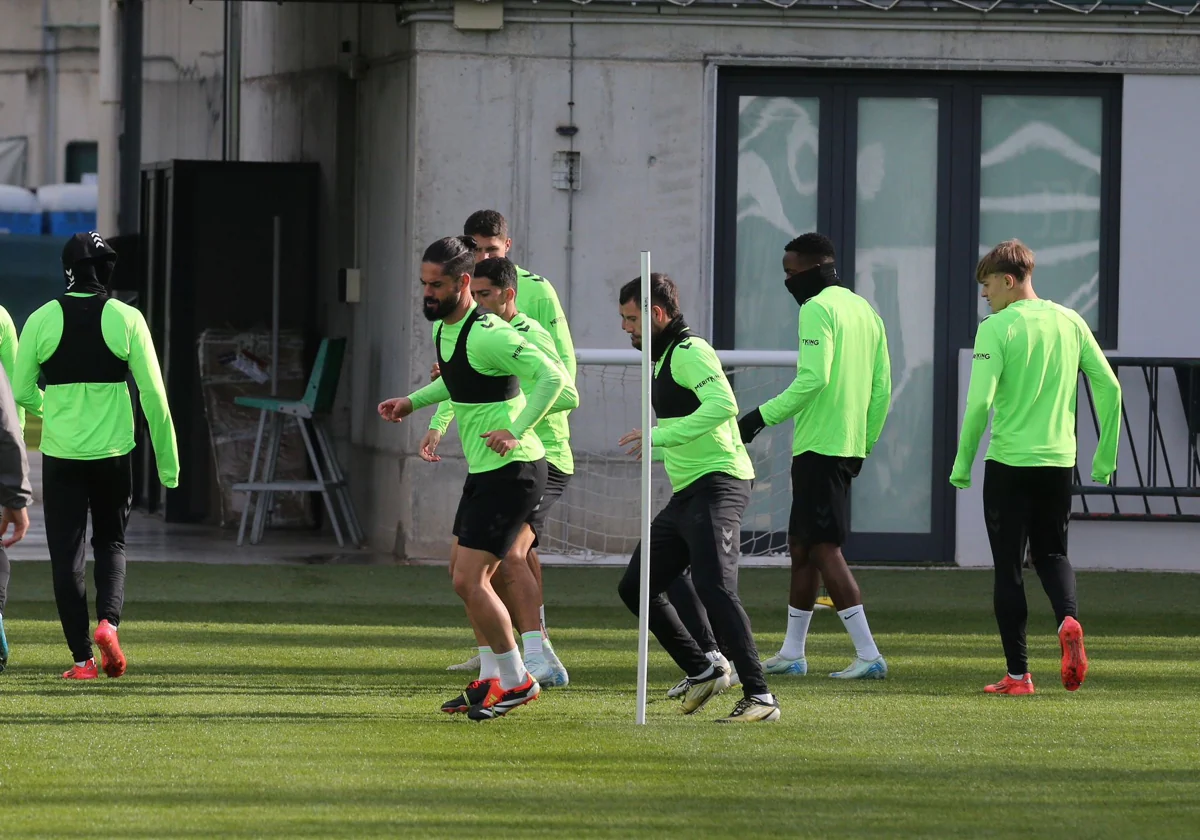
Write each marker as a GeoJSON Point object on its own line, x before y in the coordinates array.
{"type": "Point", "coordinates": [82, 355]}
{"type": "Point", "coordinates": [465, 384]}
{"type": "Point", "coordinates": [669, 398]}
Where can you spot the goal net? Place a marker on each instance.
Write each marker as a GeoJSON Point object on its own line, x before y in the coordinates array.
{"type": "Point", "coordinates": [597, 521]}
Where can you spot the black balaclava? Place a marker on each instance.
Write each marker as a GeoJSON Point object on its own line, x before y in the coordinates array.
{"type": "Point", "coordinates": [88, 263]}
{"type": "Point", "coordinates": [674, 329]}
{"type": "Point", "coordinates": [805, 285]}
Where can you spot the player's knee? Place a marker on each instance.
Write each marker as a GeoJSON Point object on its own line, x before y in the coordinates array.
{"type": "Point", "coordinates": [466, 585]}
{"type": "Point", "coordinates": [798, 550]}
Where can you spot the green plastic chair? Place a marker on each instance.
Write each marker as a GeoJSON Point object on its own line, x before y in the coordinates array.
{"type": "Point", "coordinates": [311, 409]}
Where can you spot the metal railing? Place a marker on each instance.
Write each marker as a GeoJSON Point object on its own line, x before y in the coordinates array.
{"type": "Point", "coordinates": [1152, 466]}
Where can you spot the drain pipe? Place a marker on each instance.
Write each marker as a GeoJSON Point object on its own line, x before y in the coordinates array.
{"type": "Point", "coordinates": [110, 119]}
{"type": "Point", "coordinates": [568, 281]}
{"type": "Point", "coordinates": [232, 93]}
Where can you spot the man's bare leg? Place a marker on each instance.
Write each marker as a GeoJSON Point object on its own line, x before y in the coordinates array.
{"type": "Point", "coordinates": [535, 568]}
{"type": "Point", "coordinates": [802, 595]}
{"type": "Point", "coordinates": [476, 660]}
{"type": "Point", "coordinates": [847, 600]}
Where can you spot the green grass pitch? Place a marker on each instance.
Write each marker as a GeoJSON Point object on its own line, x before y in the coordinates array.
{"type": "Point", "coordinates": [270, 701]}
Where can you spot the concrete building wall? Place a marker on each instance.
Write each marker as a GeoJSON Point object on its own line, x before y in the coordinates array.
{"type": "Point", "coordinates": [182, 79]}
{"type": "Point", "coordinates": [447, 121]}
{"type": "Point", "coordinates": [36, 75]}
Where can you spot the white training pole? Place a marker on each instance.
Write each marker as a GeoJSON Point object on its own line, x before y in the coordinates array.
{"type": "Point", "coordinates": [644, 591]}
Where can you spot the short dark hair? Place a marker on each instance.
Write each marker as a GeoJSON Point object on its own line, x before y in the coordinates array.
{"type": "Point", "coordinates": [486, 223]}
{"type": "Point", "coordinates": [455, 254]}
{"type": "Point", "coordinates": [662, 293]}
{"type": "Point", "coordinates": [812, 245]}
{"type": "Point", "coordinates": [499, 270]}
{"type": "Point", "coordinates": [1011, 256]}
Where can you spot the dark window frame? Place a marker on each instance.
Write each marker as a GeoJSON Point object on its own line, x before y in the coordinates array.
{"type": "Point", "coordinates": [71, 155]}
{"type": "Point", "coordinates": [964, 92]}
{"type": "Point", "coordinates": [959, 134]}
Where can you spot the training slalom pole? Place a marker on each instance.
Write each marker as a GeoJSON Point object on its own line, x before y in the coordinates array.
{"type": "Point", "coordinates": [647, 381]}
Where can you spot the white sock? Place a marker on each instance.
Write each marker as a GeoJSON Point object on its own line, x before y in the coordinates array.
{"type": "Point", "coordinates": [1018, 677]}
{"type": "Point", "coordinates": [512, 669]}
{"type": "Point", "coordinates": [488, 669]}
{"type": "Point", "coordinates": [532, 642]}
{"type": "Point", "coordinates": [82, 664]}
{"type": "Point", "coordinates": [763, 698]}
{"type": "Point", "coordinates": [855, 620]}
{"type": "Point", "coordinates": [542, 618]}
{"type": "Point", "coordinates": [705, 674]}
{"type": "Point", "coordinates": [713, 656]}
{"type": "Point", "coordinates": [797, 634]}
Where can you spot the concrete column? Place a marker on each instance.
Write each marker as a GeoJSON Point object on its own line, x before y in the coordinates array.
{"type": "Point", "coordinates": [110, 118]}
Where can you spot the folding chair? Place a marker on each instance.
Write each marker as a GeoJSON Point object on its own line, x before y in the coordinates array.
{"type": "Point", "coordinates": [311, 409]}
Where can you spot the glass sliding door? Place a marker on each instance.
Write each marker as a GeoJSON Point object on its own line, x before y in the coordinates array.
{"type": "Point", "coordinates": [913, 177]}
{"type": "Point", "coordinates": [1039, 181]}
{"type": "Point", "coordinates": [778, 168]}
{"type": "Point", "coordinates": [895, 268]}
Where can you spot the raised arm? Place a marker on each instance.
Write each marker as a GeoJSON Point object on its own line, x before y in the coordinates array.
{"type": "Point", "coordinates": [695, 366]}
{"type": "Point", "coordinates": [812, 369]}
{"type": "Point", "coordinates": [504, 349]}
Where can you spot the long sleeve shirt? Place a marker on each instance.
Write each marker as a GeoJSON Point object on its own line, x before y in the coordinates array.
{"type": "Point", "coordinates": [705, 440]}
{"type": "Point", "coordinates": [843, 385]}
{"type": "Point", "coordinates": [91, 420]}
{"type": "Point", "coordinates": [1026, 365]}
{"type": "Point", "coordinates": [554, 430]}
{"type": "Point", "coordinates": [494, 348]}
{"type": "Point", "coordinates": [537, 299]}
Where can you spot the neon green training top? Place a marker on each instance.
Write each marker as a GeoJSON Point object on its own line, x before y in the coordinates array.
{"type": "Point", "coordinates": [8, 353]}
{"type": "Point", "coordinates": [494, 348]}
{"type": "Point", "coordinates": [537, 299]}
{"type": "Point", "coordinates": [86, 421]}
{"type": "Point", "coordinates": [707, 439]}
{"type": "Point", "coordinates": [843, 383]}
{"type": "Point", "coordinates": [553, 430]}
{"type": "Point", "coordinates": [1026, 362]}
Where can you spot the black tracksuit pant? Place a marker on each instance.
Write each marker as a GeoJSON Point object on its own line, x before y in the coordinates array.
{"type": "Point", "coordinates": [683, 597]}
{"type": "Point", "coordinates": [71, 489]}
{"type": "Point", "coordinates": [1031, 504]}
{"type": "Point", "coordinates": [699, 528]}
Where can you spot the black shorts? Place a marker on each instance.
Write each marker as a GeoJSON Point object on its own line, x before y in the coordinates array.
{"type": "Point", "coordinates": [497, 504]}
{"type": "Point", "coordinates": [556, 485]}
{"type": "Point", "coordinates": [821, 498]}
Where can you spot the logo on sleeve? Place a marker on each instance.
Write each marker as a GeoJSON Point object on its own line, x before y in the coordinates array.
{"type": "Point", "coordinates": [810, 342]}
{"type": "Point", "coordinates": [685, 345]}
{"type": "Point", "coordinates": [486, 322]}
{"type": "Point", "coordinates": [982, 356]}
{"type": "Point", "coordinates": [523, 328]}
{"type": "Point", "coordinates": [520, 348]}
{"type": "Point", "coordinates": [706, 381]}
